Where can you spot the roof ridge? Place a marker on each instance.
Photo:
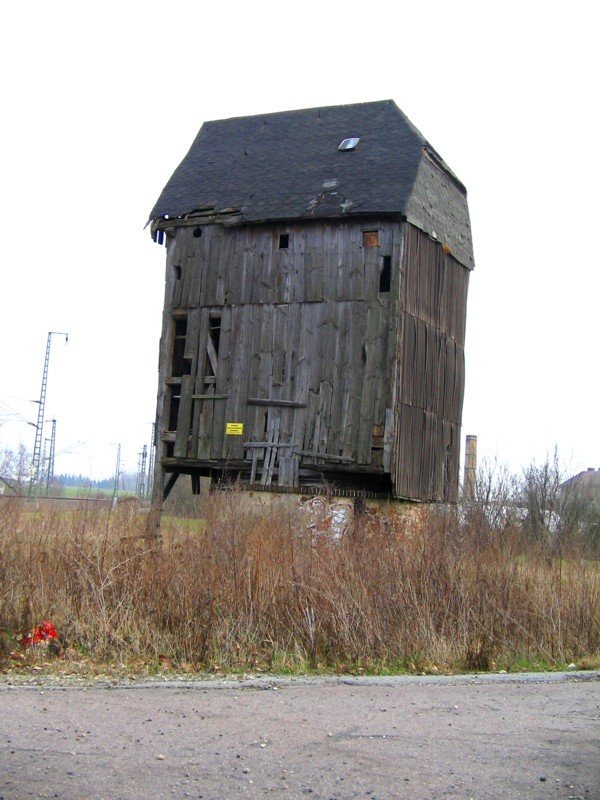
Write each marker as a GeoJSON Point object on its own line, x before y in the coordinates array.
{"type": "Point", "coordinates": [311, 108]}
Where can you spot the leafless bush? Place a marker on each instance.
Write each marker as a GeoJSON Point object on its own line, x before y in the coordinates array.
{"type": "Point", "coordinates": [251, 585]}
{"type": "Point", "coordinates": [490, 508]}
{"type": "Point", "coordinates": [13, 470]}
{"type": "Point", "coordinates": [539, 493]}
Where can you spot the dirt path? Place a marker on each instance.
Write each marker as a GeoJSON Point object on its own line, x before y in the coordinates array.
{"type": "Point", "coordinates": [502, 738]}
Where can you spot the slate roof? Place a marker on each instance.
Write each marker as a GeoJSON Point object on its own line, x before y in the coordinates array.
{"type": "Point", "coordinates": [588, 480]}
{"type": "Point", "coordinates": [287, 166]}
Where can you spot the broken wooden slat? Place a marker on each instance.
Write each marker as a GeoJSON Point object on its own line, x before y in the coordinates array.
{"type": "Point", "coordinates": [270, 452]}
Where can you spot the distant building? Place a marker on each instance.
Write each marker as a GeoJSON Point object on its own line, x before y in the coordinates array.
{"type": "Point", "coordinates": [315, 306]}
{"type": "Point", "coordinates": [584, 486]}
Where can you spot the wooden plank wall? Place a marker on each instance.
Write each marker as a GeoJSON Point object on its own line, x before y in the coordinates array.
{"type": "Point", "coordinates": [430, 388]}
{"type": "Point", "coordinates": [324, 366]}
{"type": "Point", "coordinates": [304, 326]}
{"type": "Point", "coordinates": [240, 265]}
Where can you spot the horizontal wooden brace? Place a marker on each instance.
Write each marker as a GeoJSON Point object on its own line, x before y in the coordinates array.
{"type": "Point", "coordinates": [210, 396]}
{"type": "Point", "coordinates": [325, 456]}
{"type": "Point", "coordinates": [260, 401]}
{"type": "Point", "coordinates": [268, 444]}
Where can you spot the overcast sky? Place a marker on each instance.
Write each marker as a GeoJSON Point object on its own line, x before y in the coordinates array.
{"type": "Point", "coordinates": [102, 101]}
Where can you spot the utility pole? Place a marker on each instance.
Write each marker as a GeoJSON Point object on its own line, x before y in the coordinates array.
{"type": "Point", "coordinates": [141, 478]}
{"type": "Point", "coordinates": [50, 471]}
{"type": "Point", "coordinates": [39, 428]}
{"type": "Point", "coordinates": [117, 474]}
{"type": "Point", "coordinates": [151, 463]}
{"type": "Point", "coordinates": [43, 465]}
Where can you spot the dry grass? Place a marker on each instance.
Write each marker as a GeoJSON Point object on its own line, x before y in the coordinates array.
{"type": "Point", "coordinates": [256, 587]}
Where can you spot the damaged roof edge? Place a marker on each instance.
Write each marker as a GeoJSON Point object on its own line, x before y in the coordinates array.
{"type": "Point", "coordinates": [433, 154]}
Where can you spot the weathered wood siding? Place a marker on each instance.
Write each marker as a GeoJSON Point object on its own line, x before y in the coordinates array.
{"type": "Point", "coordinates": [241, 265]}
{"type": "Point", "coordinates": [305, 348]}
{"type": "Point", "coordinates": [430, 386]}
{"type": "Point", "coordinates": [321, 359]}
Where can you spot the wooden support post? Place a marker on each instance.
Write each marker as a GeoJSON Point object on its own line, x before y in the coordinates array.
{"type": "Point", "coordinates": [169, 485]}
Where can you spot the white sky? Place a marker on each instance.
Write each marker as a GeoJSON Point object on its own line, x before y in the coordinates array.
{"type": "Point", "coordinates": [102, 101]}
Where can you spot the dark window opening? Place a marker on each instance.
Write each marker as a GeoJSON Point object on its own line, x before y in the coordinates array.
{"type": "Point", "coordinates": [370, 238]}
{"type": "Point", "coordinates": [179, 364]}
{"type": "Point", "coordinates": [214, 331]}
{"type": "Point", "coordinates": [177, 269]}
{"type": "Point", "coordinates": [197, 233]}
{"type": "Point", "coordinates": [170, 449]}
{"type": "Point", "coordinates": [284, 241]}
{"type": "Point", "coordinates": [385, 276]}
{"type": "Point", "coordinates": [174, 407]}
{"type": "Point", "coordinates": [212, 348]}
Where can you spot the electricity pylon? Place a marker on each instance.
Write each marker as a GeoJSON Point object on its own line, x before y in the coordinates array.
{"type": "Point", "coordinates": [34, 470]}
{"type": "Point", "coordinates": [141, 478]}
{"type": "Point", "coordinates": [50, 470]}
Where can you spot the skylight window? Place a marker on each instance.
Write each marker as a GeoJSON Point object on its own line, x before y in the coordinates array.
{"type": "Point", "coordinates": [349, 144]}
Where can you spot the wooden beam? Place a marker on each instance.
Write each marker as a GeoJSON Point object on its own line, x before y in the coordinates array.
{"type": "Point", "coordinates": [170, 484]}
{"type": "Point", "coordinates": [325, 456]}
{"type": "Point", "coordinates": [268, 444]}
{"type": "Point", "coordinates": [263, 401]}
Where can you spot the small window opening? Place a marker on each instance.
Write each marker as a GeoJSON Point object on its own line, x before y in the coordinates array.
{"type": "Point", "coordinates": [180, 365]}
{"type": "Point", "coordinates": [370, 238]}
{"type": "Point", "coordinates": [177, 269]}
{"type": "Point", "coordinates": [215, 331]}
{"type": "Point", "coordinates": [170, 449]}
{"type": "Point", "coordinates": [212, 348]}
{"type": "Point", "coordinates": [174, 406]}
{"type": "Point", "coordinates": [284, 241]}
{"type": "Point", "coordinates": [197, 232]}
{"type": "Point", "coordinates": [385, 276]}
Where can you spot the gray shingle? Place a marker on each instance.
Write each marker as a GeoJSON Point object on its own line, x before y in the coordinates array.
{"type": "Point", "coordinates": [287, 166]}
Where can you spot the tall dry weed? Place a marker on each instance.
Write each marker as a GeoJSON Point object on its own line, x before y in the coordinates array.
{"type": "Point", "coordinates": [251, 585]}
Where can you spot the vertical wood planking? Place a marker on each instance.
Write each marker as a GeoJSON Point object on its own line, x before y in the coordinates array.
{"type": "Point", "coordinates": [219, 445]}
{"type": "Point", "coordinates": [310, 326]}
{"type": "Point", "coordinates": [425, 450]}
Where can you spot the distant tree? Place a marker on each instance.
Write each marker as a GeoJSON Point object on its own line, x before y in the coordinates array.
{"type": "Point", "coordinates": [14, 468]}
{"type": "Point", "coordinates": [538, 492]}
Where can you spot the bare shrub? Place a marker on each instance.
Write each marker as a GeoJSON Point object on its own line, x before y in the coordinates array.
{"type": "Point", "coordinates": [490, 507]}
{"type": "Point", "coordinates": [255, 585]}
{"type": "Point", "coordinates": [539, 492]}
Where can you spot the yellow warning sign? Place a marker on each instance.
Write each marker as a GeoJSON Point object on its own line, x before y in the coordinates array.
{"type": "Point", "coordinates": [234, 429]}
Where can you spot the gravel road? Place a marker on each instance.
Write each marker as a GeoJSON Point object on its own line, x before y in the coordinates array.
{"type": "Point", "coordinates": [496, 737]}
